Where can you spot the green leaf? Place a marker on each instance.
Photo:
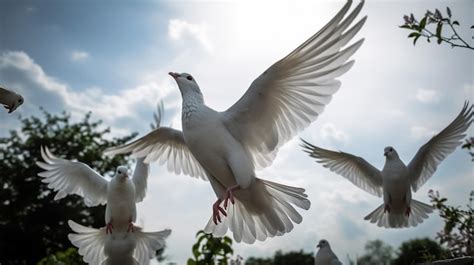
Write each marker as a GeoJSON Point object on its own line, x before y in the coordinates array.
{"type": "Point", "coordinates": [191, 262]}
{"type": "Point", "coordinates": [448, 11]}
{"type": "Point", "coordinates": [405, 27]}
{"type": "Point", "coordinates": [422, 24]}
{"type": "Point", "coordinates": [455, 22]}
{"type": "Point", "coordinates": [415, 39]}
{"type": "Point", "coordinates": [414, 34]}
{"type": "Point", "coordinates": [438, 32]}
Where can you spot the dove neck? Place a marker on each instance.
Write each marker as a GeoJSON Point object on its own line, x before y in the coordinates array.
{"type": "Point", "coordinates": [5, 96]}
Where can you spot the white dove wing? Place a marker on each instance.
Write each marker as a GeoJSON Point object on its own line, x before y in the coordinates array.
{"type": "Point", "coordinates": [165, 145]}
{"type": "Point", "coordinates": [291, 94]}
{"type": "Point", "coordinates": [69, 177]}
{"type": "Point", "coordinates": [354, 168]}
{"type": "Point", "coordinates": [89, 241]}
{"type": "Point", "coordinates": [139, 178]}
{"type": "Point", "coordinates": [148, 243]}
{"type": "Point", "coordinates": [431, 154]}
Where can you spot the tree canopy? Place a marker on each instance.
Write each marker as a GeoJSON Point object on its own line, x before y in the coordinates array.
{"type": "Point", "coordinates": [32, 223]}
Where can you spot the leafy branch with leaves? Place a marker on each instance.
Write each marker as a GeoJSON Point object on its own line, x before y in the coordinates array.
{"type": "Point", "coordinates": [422, 28]}
{"type": "Point", "coordinates": [209, 250]}
{"type": "Point", "coordinates": [458, 232]}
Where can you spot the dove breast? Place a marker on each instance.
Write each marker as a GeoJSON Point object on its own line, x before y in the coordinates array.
{"type": "Point", "coordinates": [217, 150]}
{"type": "Point", "coordinates": [121, 207]}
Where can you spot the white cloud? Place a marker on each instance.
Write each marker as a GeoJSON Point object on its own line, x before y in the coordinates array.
{"type": "Point", "coordinates": [109, 108]}
{"type": "Point", "coordinates": [469, 89]}
{"type": "Point", "coordinates": [79, 56]}
{"type": "Point", "coordinates": [181, 30]}
{"type": "Point", "coordinates": [427, 95]}
{"type": "Point", "coordinates": [330, 132]}
{"type": "Point", "coordinates": [420, 132]}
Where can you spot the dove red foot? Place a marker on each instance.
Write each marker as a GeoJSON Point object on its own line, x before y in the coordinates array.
{"type": "Point", "coordinates": [216, 211]}
{"type": "Point", "coordinates": [108, 228]}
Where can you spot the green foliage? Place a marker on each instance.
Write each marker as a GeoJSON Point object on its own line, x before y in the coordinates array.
{"type": "Point", "coordinates": [468, 145]}
{"type": "Point", "coordinates": [280, 258]}
{"type": "Point", "coordinates": [68, 257]}
{"type": "Point", "coordinates": [32, 223]}
{"type": "Point", "coordinates": [423, 28]}
{"type": "Point", "coordinates": [376, 253]}
{"type": "Point", "coordinates": [418, 251]}
{"type": "Point", "coordinates": [458, 232]}
{"type": "Point", "coordinates": [209, 250]}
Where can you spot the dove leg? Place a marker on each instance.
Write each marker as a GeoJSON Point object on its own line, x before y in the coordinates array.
{"type": "Point", "coordinates": [387, 201]}
{"type": "Point", "coordinates": [216, 211]}
{"type": "Point", "coordinates": [230, 195]}
{"type": "Point", "coordinates": [108, 228]}
{"type": "Point", "coordinates": [130, 227]}
{"type": "Point", "coordinates": [407, 200]}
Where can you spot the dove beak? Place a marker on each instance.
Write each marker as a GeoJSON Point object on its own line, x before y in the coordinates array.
{"type": "Point", "coordinates": [174, 75]}
{"type": "Point", "coordinates": [10, 109]}
{"type": "Point", "coordinates": [385, 153]}
{"type": "Point", "coordinates": [318, 246]}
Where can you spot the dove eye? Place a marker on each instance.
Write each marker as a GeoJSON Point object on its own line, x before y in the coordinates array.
{"type": "Point", "coordinates": [190, 78]}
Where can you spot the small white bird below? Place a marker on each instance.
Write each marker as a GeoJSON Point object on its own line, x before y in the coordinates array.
{"type": "Point", "coordinates": [10, 100]}
{"type": "Point", "coordinates": [394, 181]}
{"type": "Point", "coordinates": [120, 193]}
{"type": "Point", "coordinates": [227, 147]}
{"type": "Point", "coordinates": [119, 248]}
{"type": "Point", "coordinates": [325, 255]}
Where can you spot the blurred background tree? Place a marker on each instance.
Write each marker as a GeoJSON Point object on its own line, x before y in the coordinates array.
{"type": "Point", "coordinates": [280, 258]}
{"type": "Point", "coordinates": [376, 252]}
{"type": "Point", "coordinates": [417, 251]}
{"type": "Point", "coordinates": [32, 224]}
{"type": "Point", "coordinates": [210, 250]}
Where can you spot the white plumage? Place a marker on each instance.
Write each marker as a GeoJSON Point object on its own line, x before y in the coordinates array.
{"type": "Point", "coordinates": [394, 181]}
{"type": "Point", "coordinates": [118, 248]}
{"type": "Point", "coordinates": [10, 100]}
{"type": "Point", "coordinates": [121, 193]}
{"type": "Point", "coordinates": [325, 255]}
{"type": "Point", "coordinates": [227, 147]}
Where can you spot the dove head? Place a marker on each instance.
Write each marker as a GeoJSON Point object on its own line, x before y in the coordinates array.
{"type": "Point", "coordinates": [122, 173]}
{"type": "Point", "coordinates": [390, 153]}
{"type": "Point", "coordinates": [188, 87]}
{"type": "Point", "coordinates": [13, 101]}
{"type": "Point", "coordinates": [323, 243]}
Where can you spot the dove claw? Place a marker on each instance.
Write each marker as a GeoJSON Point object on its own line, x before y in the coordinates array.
{"type": "Point", "coordinates": [230, 195]}
{"type": "Point", "coordinates": [131, 227]}
{"type": "Point", "coordinates": [216, 211]}
{"type": "Point", "coordinates": [108, 228]}
{"type": "Point", "coordinates": [408, 211]}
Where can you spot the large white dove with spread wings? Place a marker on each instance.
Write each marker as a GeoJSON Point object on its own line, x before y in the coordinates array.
{"type": "Point", "coordinates": [227, 147]}
{"type": "Point", "coordinates": [395, 180]}
{"type": "Point", "coordinates": [10, 100]}
{"type": "Point", "coordinates": [120, 236]}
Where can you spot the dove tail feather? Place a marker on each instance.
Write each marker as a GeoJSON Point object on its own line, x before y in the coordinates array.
{"type": "Point", "coordinates": [419, 212]}
{"type": "Point", "coordinates": [265, 210]}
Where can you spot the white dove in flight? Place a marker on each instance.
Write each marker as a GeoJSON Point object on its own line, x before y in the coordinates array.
{"type": "Point", "coordinates": [99, 247]}
{"type": "Point", "coordinates": [120, 193]}
{"type": "Point", "coordinates": [325, 255]}
{"type": "Point", "coordinates": [395, 180]}
{"type": "Point", "coordinates": [227, 147]}
{"type": "Point", "coordinates": [10, 100]}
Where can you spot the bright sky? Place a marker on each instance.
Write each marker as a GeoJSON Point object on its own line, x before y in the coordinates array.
{"type": "Point", "coordinates": [113, 59]}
